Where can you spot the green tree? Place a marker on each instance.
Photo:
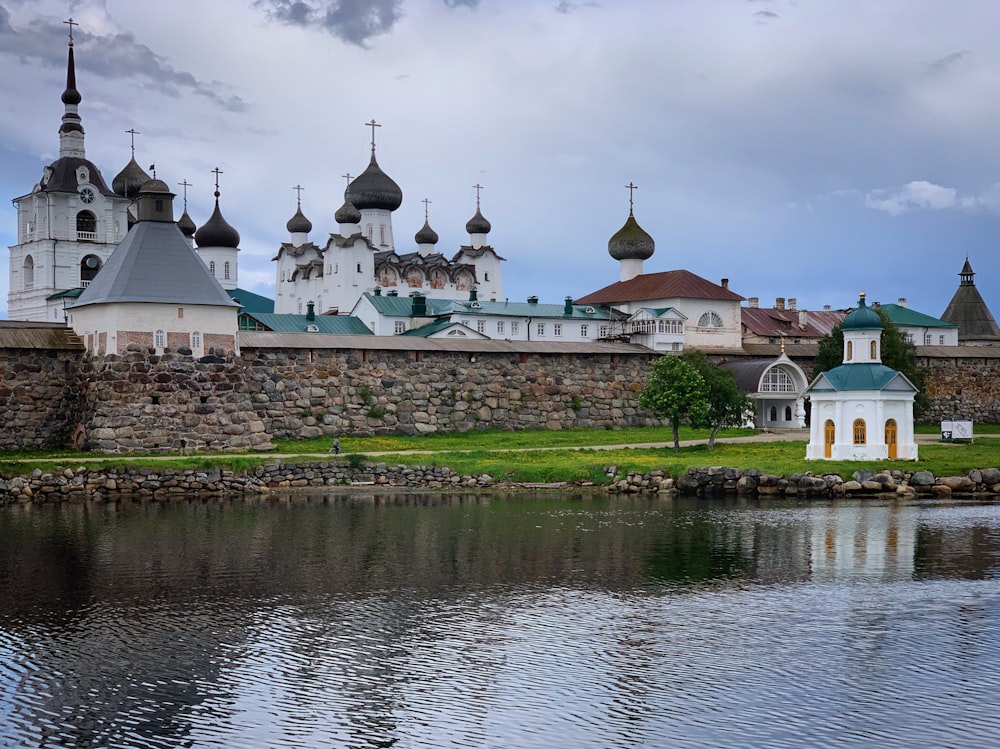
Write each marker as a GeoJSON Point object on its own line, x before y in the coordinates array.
{"type": "Point", "coordinates": [675, 390]}
{"type": "Point", "coordinates": [727, 405]}
{"type": "Point", "coordinates": [898, 353]}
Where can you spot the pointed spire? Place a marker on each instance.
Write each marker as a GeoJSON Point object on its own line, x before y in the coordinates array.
{"type": "Point", "coordinates": [71, 129]}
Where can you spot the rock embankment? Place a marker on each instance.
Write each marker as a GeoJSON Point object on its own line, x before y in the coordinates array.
{"type": "Point", "coordinates": [713, 481]}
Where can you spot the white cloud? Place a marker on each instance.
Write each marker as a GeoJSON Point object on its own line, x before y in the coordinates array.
{"type": "Point", "coordinates": [923, 195]}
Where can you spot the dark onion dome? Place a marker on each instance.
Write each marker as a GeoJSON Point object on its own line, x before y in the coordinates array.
{"type": "Point", "coordinates": [128, 181]}
{"type": "Point", "coordinates": [299, 224]}
{"type": "Point", "coordinates": [374, 189]}
{"type": "Point", "coordinates": [186, 225]}
{"type": "Point", "coordinates": [347, 213]}
{"type": "Point", "coordinates": [862, 318]}
{"type": "Point", "coordinates": [216, 232]}
{"type": "Point", "coordinates": [631, 242]}
{"type": "Point", "coordinates": [426, 235]}
{"type": "Point", "coordinates": [477, 224]}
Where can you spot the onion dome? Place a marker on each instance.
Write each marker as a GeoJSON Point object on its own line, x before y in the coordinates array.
{"type": "Point", "coordinates": [631, 242]}
{"type": "Point", "coordinates": [374, 189]}
{"type": "Point", "coordinates": [186, 224]}
{"type": "Point", "coordinates": [862, 318]}
{"type": "Point", "coordinates": [477, 224]}
{"type": "Point", "coordinates": [299, 224]}
{"type": "Point", "coordinates": [347, 213]}
{"type": "Point", "coordinates": [426, 235]}
{"type": "Point", "coordinates": [71, 95]}
{"type": "Point", "coordinates": [154, 185]}
{"type": "Point", "coordinates": [128, 181]}
{"type": "Point", "coordinates": [216, 232]}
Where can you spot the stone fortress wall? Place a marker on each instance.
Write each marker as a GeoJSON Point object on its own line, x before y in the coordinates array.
{"type": "Point", "coordinates": [140, 402]}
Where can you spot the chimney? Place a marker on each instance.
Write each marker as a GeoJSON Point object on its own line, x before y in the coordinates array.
{"type": "Point", "coordinates": [803, 318]}
{"type": "Point", "coordinates": [419, 304]}
{"type": "Point", "coordinates": [779, 303]}
{"type": "Point", "coordinates": [473, 294]}
{"type": "Point", "coordinates": [532, 300]}
{"type": "Point", "coordinates": [826, 307]}
{"type": "Point", "coordinates": [568, 306]}
{"type": "Point", "coordinates": [725, 283]}
{"type": "Point", "coordinates": [792, 303]}
{"type": "Point", "coordinates": [902, 301]}
{"type": "Point", "coordinates": [378, 291]}
{"type": "Point", "coordinates": [310, 312]}
{"type": "Point", "coordinates": [392, 292]}
{"type": "Point", "coordinates": [753, 302]}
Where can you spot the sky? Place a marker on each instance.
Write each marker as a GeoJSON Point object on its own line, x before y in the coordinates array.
{"type": "Point", "coordinates": [802, 149]}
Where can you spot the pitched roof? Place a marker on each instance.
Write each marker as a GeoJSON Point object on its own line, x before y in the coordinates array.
{"type": "Point", "coordinates": [861, 377]}
{"type": "Point", "coordinates": [402, 306]}
{"type": "Point", "coordinates": [441, 325]}
{"type": "Point", "coordinates": [155, 263]}
{"type": "Point", "coordinates": [528, 309]}
{"type": "Point", "coordinates": [251, 302]}
{"type": "Point", "coordinates": [38, 335]}
{"type": "Point", "coordinates": [325, 324]}
{"type": "Point", "coordinates": [974, 319]}
{"type": "Point", "coordinates": [773, 323]}
{"type": "Point", "coordinates": [671, 284]}
{"type": "Point", "coordinates": [911, 318]}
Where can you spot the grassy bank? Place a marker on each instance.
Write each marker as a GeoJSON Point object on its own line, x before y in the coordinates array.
{"type": "Point", "coordinates": [546, 456]}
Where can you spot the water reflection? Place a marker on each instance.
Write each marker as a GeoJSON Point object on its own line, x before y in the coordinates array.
{"type": "Point", "coordinates": [409, 620]}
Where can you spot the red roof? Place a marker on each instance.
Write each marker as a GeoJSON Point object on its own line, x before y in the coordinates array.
{"type": "Point", "coordinates": [773, 323]}
{"type": "Point", "coordinates": [671, 284]}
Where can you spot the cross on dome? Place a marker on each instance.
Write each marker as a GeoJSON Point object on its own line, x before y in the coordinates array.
{"type": "Point", "coordinates": [631, 188]}
{"type": "Point", "coordinates": [373, 125]}
{"type": "Point", "coordinates": [71, 23]}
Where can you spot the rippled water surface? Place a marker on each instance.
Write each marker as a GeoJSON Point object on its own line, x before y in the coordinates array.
{"type": "Point", "coordinates": [409, 621]}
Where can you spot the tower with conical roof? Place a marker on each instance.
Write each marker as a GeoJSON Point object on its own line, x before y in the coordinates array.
{"type": "Point", "coordinates": [862, 409]}
{"type": "Point", "coordinates": [67, 226]}
{"type": "Point", "coordinates": [968, 310]}
{"type": "Point", "coordinates": [218, 243]}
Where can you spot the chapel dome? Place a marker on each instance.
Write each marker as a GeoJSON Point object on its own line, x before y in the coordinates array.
{"type": "Point", "coordinates": [478, 224]}
{"type": "Point", "coordinates": [299, 224]}
{"type": "Point", "coordinates": [216, 232]}
{"type": "Point", "coordinates": [631, 242]}
{"type": "Point", "coordinates": [186, 224]}
{"type": "Point", "coordinates": [426, 235]}
{"type": "Point", "coordinates": [128, 181]}
{"type": "Point", "coordinates": [347, 213]}
{"type": "Point", "coordinates": [374, 189]}
{"type": "Point", "coordinates": [862, 318]}
{"type": "Point", "coordinates": [154, 185]}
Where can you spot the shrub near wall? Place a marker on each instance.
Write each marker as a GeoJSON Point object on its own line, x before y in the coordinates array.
{"type": "Point", "coordinates": [307, 393]}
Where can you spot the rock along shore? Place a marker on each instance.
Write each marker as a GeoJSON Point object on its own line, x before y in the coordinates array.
{"type": "Point", "coordinates": [101, 483]}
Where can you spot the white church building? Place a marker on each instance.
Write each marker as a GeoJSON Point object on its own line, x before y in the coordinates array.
{"type": "Point", "coordinates": [862, 409]}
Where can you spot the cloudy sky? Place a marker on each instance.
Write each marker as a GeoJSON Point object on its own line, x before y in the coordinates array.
{"type": "Point", "coordinates": [800, 148]}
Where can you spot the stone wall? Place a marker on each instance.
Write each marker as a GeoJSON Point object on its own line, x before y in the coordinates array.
{"type": "Point", "coordinates": [963, 388]}
{"type": "Point", "coordinates": [39, 398]}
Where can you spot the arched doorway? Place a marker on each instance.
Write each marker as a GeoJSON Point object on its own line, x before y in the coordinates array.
{"type": "Point", "coordinates": [829, 434]}
{"type": "Point", "coordinates": [891, 437]}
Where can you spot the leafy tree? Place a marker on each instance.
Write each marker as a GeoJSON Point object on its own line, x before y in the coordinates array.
{"type": "Point", "coordinates": [675, 390]}
{"type": "Point", "coordinates": [898, 353]}
{"type": "Point", "coordinates": [727, 405]}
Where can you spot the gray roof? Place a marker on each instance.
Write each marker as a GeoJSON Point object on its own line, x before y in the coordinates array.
{"type": "Point", "coordinates": [268, 340]}
{"type": "Point", "coordinates": [38, 335]}
{"type": "Point", "coordinates": [155, 263]}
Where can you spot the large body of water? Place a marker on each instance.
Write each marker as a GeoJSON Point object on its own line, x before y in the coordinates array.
{"type": "Point", "coordinates": [553, 621]}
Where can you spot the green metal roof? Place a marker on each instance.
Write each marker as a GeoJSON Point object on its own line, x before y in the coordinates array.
{"type": "Point", "coordinates": [327, 324]}
{"type": "Point", "coordinates": [862, 318]}
{"type": "Point", "coordinates": [861, 377]}
{"type": "Point", "coordinates": [402, 306]}
{"type": "Point", "coordinates": [911, 318]}
{"type": "Point", "coordinates": [66, 294]}
{"type": "Point", "coordinates": [251, 302]}
{"type": "Point", "coordinates": [529, 309]}
{"type": "Point", "coordinates": [436, 326]}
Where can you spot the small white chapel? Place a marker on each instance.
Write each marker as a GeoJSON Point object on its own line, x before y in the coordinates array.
{"type": "Point", "coordinates": [862, 410]}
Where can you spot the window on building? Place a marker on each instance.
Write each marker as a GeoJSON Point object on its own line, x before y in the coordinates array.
{"type": "Point", "coordinates": [336, 267]}
{"type": "Point", "coordinates": [400, 327]}
{"type": "Point", "coordinates": [486, 276]}
{"type": "Point", "coordinates": [540, 329]}
{"type": "Point", "coordinates": [299, 304]}
{"type": "Point", "coordinates": [88, 269]}
{"type": "Point", "coordinates": [583, 330]}
{"type": "Point", "coordinates": [211, 267]}
{"type": "Point", "coordinates": [359, 267]}
{"type": "Point", "coordinates": [557, 328]}
{"type": "Point", "coordinates": [850, 350]}
{"type": "Point", "coordinates": [927, 339]}
{"type": "Point", "coordinates": [773, 416]}
{"type": "Point", "coordinates": [777, 380]}
{"type": "Point", "coordinates": [180, 313]}
{"type": "Point", "coordinates": [710, 319]}
{"type": "Point", "coordinates": [873, 350]}
{"type": "Point", "coordinates": [225, 270]}
{"type": "Point", "coordinates": [675, 346]}
{"type": "Point", "coordinates": [195, 340]}
{"type": "Point", "coordinates": [481, 326]}
{"type": "Point", "coordinates": [602, 332]}
{"type": "Point", "coordinates": [28, 273]}
{"type": "Point", "coordinates": [86, 225]}
{"type": "Point", "coordinates": [788, 413]}
{"type": "Point", "coordinates": [515, 328]}
{"type": "Point", "coordinates": [159, 339]}
{"type": "Point", "coordinates": [369, 231]}
{"type": "Point", "coordinates": [381, 235]}
{"type": "Point", "coordinates": [940, 340]}
{"type": "Point", "coordinates": [500, 327]}
{"type": "Point", "coordinates": [860, 433]}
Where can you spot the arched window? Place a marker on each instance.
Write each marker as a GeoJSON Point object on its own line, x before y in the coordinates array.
{"type": "Point", "coordinates": [774, 414]}
{"type": "Point", "coordinates": [159, 339]}
{"type": "Point", "coordinates": [381, 235]}
{"type": "Point", "coordinates": [225, 270]}
{"type": "Point", "coordinates": [28, 273]}
{"type": "Point", "coordinates": [860, 432]}
{"type": "Point", "coordinates": [874, 355]}
{"type": "Point", "coordinates": [710, 319]}
{"type": "Point", "coordinates": [369, 231]}
{"type": "Point", "coordinates": [300, 306]}
{"type": "Point", "coordinates": [211, 267]}
{"type": "Point", "coordinates": [86, 225]}
{"type": "Point", "coordinates": [850, 350]}
{"type": "Point", "coordinates": [777, 380]}
{"type": "Point", "coordinates": [788, 413]}
{"type": "Point", "coordinates": [195, 340]}
{"type": "Point", "coordinates": [88, 269]}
